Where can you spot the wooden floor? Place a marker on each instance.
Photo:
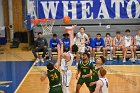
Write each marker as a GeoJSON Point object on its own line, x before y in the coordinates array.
{"type": "Point", "coordinates": [122, 79]}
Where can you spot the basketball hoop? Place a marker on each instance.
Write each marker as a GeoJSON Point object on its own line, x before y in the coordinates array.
{"type": "Point", "coordinates": [45, 24]}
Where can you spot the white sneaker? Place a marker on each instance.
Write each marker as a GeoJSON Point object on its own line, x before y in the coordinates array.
{"type": "Point", "coordinates": [111, 58]}
{"type": "Point", "coordinates": [124, 60]}
{"type": "Point", "coordinates": [42, 60]}
{"type": "Point", "coordinates": [108, 58]}
{"type": "Point", "coordinates": [37, 60]}
{"type": "Point", "coordinates": [133, 60]}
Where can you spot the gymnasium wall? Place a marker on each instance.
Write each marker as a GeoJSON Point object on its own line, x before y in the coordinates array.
{"type": "Point", "coordinates": [1, 13]}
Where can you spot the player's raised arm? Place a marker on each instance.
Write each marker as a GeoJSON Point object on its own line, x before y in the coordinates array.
{"type": "Point", "coordinates": [57, 65]}
{"type": "Point", "coordinates": [98, 86]}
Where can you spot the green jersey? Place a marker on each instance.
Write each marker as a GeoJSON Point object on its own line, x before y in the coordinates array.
{"type": "Point", "coordinates": [54, 77]}
{"type": "Point", "coordinates": [85, 68]}
{"type": "Point", "coordinates": [95, 76]}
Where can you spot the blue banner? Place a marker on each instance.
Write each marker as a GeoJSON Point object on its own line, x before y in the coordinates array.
{"type": "Point", "coordinates": [85, 9]}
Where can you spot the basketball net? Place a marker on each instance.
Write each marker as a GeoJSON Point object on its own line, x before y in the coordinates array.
{"type": "Point", "coordinates": [45, 24]}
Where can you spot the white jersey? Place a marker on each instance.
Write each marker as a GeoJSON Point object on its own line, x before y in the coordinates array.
{"type": "Point", "coordinates": [64, 64]}
{"type": "Point", "coordinates": [104, 87]}
{"type": "Point", "coordinates": [127, 41]}
{"type": "Point", "coordinates": [137, 38]}
{"type": "Point", "coordinates": [118, 42]}
{"type": "Point", "coordinates": [82, 37]}
{"type": "Point", "coordinates": [107, 40]}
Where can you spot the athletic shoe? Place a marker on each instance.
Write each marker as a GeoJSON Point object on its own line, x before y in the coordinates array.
{"type": "Point", "coordinates": [133, 60]}
{"type": "Point", "coordinates": [42, 60]}
{"type": "Point", "coordinates": [107, 58]}
{"type": "Point", "coordinates": [37, 60]}
{"type": "Point", "coordinates": [111, 58]}
{"type": "Point", "coordinates": [124, 60]}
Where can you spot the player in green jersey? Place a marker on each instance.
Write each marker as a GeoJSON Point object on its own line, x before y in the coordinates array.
{"type": "Point", "coordinates": [54, 77]}
{"type": "Point", "coordinates": [84, 68]}
{"type": "Point", "coordinates": [99, 64]}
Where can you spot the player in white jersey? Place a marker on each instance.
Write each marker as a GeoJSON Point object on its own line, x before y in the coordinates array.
{"type": "Point", "coordinates": [128, 45]}
{"type": "Point", "coordinates": [102, 83]}
{"type": "Point", "coordinates": [117, 43]}
{"type": "Point", "coordinates": [83, 39]}
{"type": "Point", "coordinates": [66, 62]}
{"type": "Point", "coordinates": [137, 42]}
{"type": "Point", "coordinates": [108, 45]}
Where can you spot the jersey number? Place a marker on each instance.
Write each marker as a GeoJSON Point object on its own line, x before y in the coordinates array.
{"type": "Point", "coordinates": [84, 70]}
{"type": "Point", "coordinates": [54, 76]}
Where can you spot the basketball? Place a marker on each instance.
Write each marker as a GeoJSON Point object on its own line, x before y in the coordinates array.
{"type": "Point", "coordinates": [66, 20]}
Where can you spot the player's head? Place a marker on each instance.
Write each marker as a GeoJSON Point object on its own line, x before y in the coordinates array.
{"type": "Point", "coordinates": [107, 34]}
{"type": "Point", "coordinates": [100, 60]}
{"type": "Point", "coordinates": [74, 48]}
{"type": "Point", "coordinates": [102, 72]}
{"type": "Point", "coordinates": [50, 66]}
{"type": "Point", "coordinates": [118, 34]}
{"type": "Point", "coordinates": [127, 32]}
{"type": "Point", "coordinates": [139, 32]}
{"type": "Point", "coordinates": [86, 56]}
{"type": "Point", "coordinates": [66, 35]}
{"type": "Point", "coordinates": [82, 29]}
{"type": "Point", "coordinates": [40, 35]}
{"type": "Point", "coordinates": [54, 36]}
{"type": "Point", "coordinates": [98, 36]}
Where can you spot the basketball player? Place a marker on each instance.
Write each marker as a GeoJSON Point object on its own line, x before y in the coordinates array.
{"type": "Point", "coordinates": [53, 74]}
{"type": "Point", "coordinates": [128, 45]}
{"type": "Point", "coordinates": [137, 43]}
{"type": "Point", "coordinates": [66, 62]}
{"type": "Point", "coordinates": [99, 64]}
{"type": "Point", "coordinates": [108, 45]}
{"type": "Point", "coordinates": [83, 39]}
{"type": "Point", "coordinates": [102, 83]}
{"type": "Point", "coordinates": [117, 43]}
{"type": "Point", "coordinates": [84, 69]}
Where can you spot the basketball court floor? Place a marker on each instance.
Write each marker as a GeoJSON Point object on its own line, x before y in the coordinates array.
{"type": "Point", "coordinates": [18, 75]}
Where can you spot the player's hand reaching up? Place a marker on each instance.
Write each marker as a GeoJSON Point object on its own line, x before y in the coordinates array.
{"type": "Point", "coordinates": [43, 77]}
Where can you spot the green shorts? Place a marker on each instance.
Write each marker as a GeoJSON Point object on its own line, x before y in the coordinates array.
{"type": "Point", "coordinates": [57, 89]}
{"type": "Point", "coordinates": [92, 88]}
{"type": "Point", "coordinates": [81, 81]}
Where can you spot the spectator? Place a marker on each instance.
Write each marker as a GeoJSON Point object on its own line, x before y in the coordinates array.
{"type": "Point", "coordinates": [66, 42]}
{"type": "Point", "coordinates": [40, 45]}
{"type": "Point", "coordinates": [89, 47]}
{"type": "Point", "coordinates": [99, 45]}
{"type": "Point", "coordinates": [128, 45]}
{"type": "Point", "coordinates": [117, 43]}
{"type": "Point", "coordinates": [108, 45]}
{"type": "Point", "coordinates": [137, 43]}
{"type": "Point", "coordinates": [54, 42]}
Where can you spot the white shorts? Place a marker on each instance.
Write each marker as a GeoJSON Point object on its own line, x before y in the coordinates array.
{"type": "Point", "coordinates": [109, 48]}
{"type": "Point", "coordinates": [81, 49]}
{"type": "Point", "coordinates": [66, 77]}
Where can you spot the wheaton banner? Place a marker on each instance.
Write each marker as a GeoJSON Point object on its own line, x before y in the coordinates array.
{"type": "Point", "coordinates": [84, 9]}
